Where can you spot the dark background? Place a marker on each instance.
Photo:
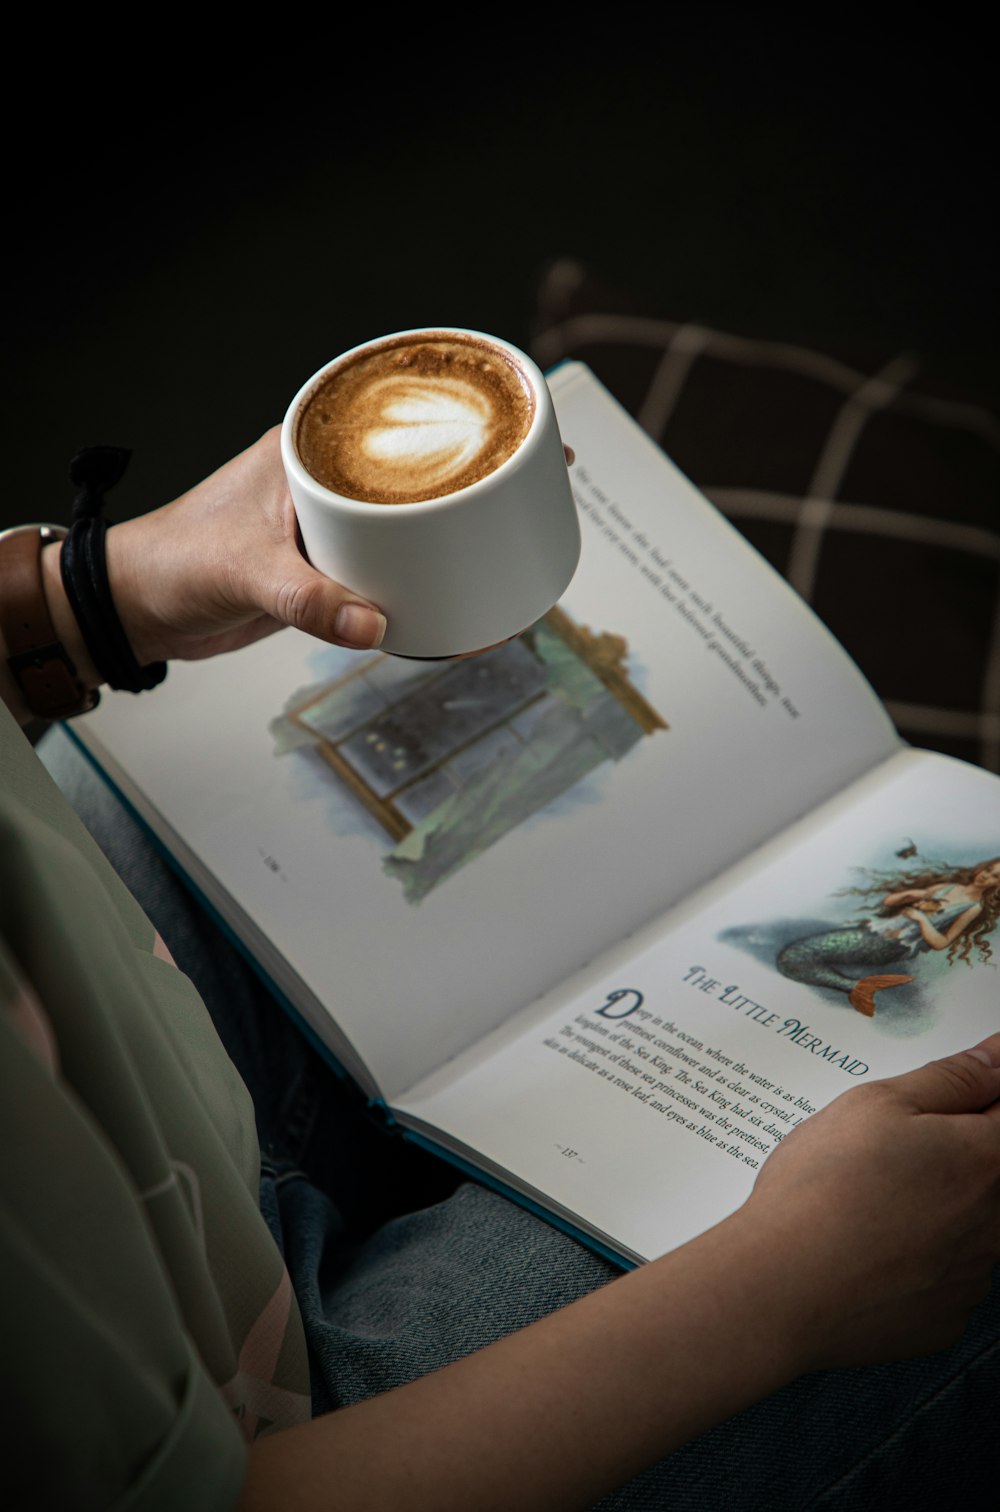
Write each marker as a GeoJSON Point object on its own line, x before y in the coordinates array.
{"type": "Point", "coordinates": [192, 233]}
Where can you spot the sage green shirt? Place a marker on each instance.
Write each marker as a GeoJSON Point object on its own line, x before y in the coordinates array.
{"type": "Point", "coordinates": [149, 1328]}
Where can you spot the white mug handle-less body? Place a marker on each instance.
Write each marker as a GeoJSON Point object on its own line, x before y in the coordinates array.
{"type": "Point", "coordinates": [465, 570]}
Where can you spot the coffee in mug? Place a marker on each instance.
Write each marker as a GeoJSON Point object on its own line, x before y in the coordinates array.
{"type": "Point", "coordinates": [428, 476]}
{"type": "Point", "coordinates": [414, 418]}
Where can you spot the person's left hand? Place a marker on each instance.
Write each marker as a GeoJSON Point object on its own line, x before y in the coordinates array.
{"type": "Point", "coordinates": [222, 567]}
{"type": "Point", "coordinates": [889, 1201]}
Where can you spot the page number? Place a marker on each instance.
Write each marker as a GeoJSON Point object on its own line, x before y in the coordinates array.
{"type": "Point", "coordinates": [272, 863]}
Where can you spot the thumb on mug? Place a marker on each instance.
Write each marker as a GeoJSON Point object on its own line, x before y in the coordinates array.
{"type": "Point", "coordinates": [309, 601]}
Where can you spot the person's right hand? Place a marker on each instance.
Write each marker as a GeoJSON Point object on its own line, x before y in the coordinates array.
{"type": "Point", "coordinates": [886, 1211]}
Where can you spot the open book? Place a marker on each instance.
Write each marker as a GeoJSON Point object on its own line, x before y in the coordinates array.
{"type": "Point", "coordinates": [604, 913]}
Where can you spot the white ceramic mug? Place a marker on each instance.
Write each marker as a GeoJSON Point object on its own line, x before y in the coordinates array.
{"type": "Point", "coordinates": [463, 571]}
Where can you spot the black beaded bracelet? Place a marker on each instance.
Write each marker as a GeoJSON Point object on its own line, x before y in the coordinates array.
{"type": "Point", "coordinates": [85, 572]}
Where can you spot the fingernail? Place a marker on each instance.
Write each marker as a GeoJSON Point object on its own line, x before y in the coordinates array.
{"type": "Point", "coordinates": [359, 625]}
{"type": "Point", "coordinates": [989, 1057]}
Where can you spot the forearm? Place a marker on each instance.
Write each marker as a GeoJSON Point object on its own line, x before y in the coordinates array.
{"type": "Point", "coordinates": [558, 1414]}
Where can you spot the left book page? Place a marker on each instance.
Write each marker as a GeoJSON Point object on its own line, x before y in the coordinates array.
{"type": "Point", "coordinates": [412, 851]}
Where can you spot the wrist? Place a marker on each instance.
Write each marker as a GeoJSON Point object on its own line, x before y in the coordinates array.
{"type": "Point", "coordinates": [85, 577]}
{"type": "Point", "coordinates": [86, 580]}
{"type": "Point", "coordinates": [130, 548]}
{"type": "Point", "coordinates": [64, 621]}
{"type": "Point", "coordinates": [764, 1270]}
{"type": "Point", "coordinates": [798, 1247]}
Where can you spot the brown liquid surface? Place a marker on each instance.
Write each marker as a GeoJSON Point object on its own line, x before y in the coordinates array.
{"type": "Point", "coordinates": [414, 419]}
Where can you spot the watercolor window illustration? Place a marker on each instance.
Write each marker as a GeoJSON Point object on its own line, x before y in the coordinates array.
{"type": "Point", "coordinates": [450, 757]}
{"type": "Point", "coordinates": [897, 924]}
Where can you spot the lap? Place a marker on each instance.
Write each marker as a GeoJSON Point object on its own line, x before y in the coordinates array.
{"type": "Point", "coordinates": [434, 1285]}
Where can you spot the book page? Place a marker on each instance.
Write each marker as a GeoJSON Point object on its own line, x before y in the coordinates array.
{"type": "Point", "coordinates": [645, 1101]}
{"type": "Point", "coordinates": [416, 850]}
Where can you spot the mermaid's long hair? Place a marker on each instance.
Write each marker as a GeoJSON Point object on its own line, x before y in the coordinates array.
{"type": "Point", "coordinates": [938, 874]}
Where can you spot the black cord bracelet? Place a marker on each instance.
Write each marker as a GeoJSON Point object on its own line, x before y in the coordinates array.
{"type": "Point", "coordinates": [85, 572]}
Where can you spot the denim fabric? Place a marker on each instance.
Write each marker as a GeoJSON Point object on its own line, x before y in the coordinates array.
{"type": "Point", "coordinates": [399, 1267]}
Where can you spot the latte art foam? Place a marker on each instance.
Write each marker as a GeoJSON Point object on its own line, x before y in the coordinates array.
{"type": "Point", "coordinates": [414, 420]}
{"type": "Point", "coordinates": [432, 430]}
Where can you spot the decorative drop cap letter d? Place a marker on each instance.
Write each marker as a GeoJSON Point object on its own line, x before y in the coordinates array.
{"type": "Point", "coordinates": [618, 1005]}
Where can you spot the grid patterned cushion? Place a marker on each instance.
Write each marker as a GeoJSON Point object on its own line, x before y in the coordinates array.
{"type": "Point", "coordinates": [870, 487]}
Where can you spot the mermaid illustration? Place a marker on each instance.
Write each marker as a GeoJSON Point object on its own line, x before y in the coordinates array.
{"type": "Point", "coordinates": [951, 908]}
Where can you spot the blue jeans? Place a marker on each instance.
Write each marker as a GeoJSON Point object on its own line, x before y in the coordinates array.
{"type": "Point", "coordinates": [399, 1266]}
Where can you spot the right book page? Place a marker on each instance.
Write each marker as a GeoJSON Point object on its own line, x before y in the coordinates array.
{"type": "Point", "coordinates": [641, 1100]}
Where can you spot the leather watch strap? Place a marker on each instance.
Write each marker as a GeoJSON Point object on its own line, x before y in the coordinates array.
{"type": "Point", "coordinates": [37, 659]}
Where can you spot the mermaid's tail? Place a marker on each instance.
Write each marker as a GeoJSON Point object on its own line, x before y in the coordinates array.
{"type": "Point", "coordinates": [820, 961]}
{"type": "Point", "coordinates": [862, 994]}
